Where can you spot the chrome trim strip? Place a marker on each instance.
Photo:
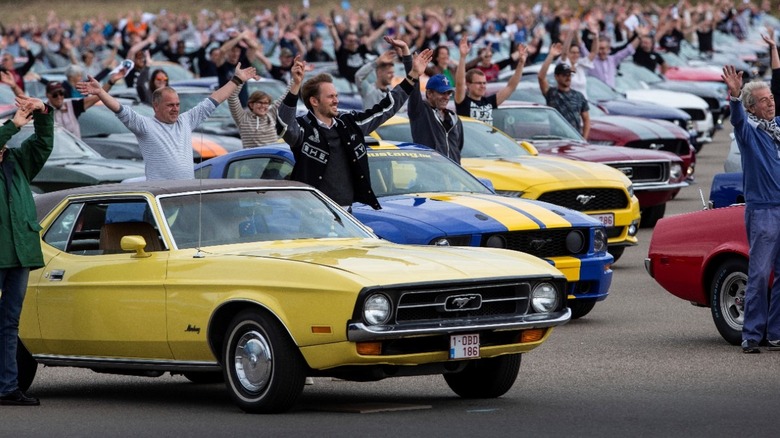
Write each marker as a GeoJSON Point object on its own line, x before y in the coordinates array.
{"type": "Point", "coordinates": [124, 363]}
{"type": "Point", "coordinates": [654, 187]}
{"type": "Point", "coordinates": [360, 332]}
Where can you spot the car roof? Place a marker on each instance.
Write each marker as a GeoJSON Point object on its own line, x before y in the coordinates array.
{"type": "Point", "coordinates": [47, 201]}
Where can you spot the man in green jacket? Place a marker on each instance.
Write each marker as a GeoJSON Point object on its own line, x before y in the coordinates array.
{"type": "Point", "coordinates": [20, 241]}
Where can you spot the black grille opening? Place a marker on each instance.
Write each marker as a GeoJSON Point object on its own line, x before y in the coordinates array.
{"type": "Point", "coordinates": [588, 199]}
{"type": "Point", "coordinates": [543, 243]}
{"type": "Point", "coordinates": [675, 146]}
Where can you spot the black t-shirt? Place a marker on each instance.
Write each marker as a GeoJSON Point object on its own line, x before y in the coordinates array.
{"type": "Point", "coordinates": [225, 73]}
{"type": "Point", "coordinates": [648, 60]}
{"type": "Point", "coordinates": [705, 41]}
{"type": "Point", "coordinates": [671, 41]}
{"type": "Point", "coordinates": [478, 109]}
{"type": "Point", "coordinates": [350, 62]}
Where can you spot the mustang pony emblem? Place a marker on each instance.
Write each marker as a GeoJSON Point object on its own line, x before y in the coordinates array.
{"type": "Point", "coordinates": [463, 302]}
{"type": "Point", "coordinates": [584, 199]}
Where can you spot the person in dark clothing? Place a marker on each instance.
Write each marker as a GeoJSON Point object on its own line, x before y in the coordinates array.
{"type": "Point", "coordinates": [316, 52]}
{"type": "Point", "coordinates": [671, 39]}
{"type": "Point", "coordinates": [19, 232]}
{"type": "Point", "coordinates": [351, 54]}
{"type": "Point", "coordinates": [647, 57]}
{"type": "Point", "coordinates": [329, 148]}
{"type": "Point", "coordinates": [240, 49]}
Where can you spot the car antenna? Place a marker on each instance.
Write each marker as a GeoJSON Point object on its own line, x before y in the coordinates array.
{"type": "Point", "coordinates": [704, 204]}
{"type": "Point", "coordinates": [198, 253]}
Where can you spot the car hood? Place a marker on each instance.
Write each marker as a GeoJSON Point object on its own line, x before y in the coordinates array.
{"type": "Point", "coordinates": [379, 262]}
{"type": "Point", "coordinates": [526, 172]}
{"type": "Point", "coordinates": [88, 171]}
{"type": "Point", "coordinates": [633, 128]}
{"type": "Point", "coordinates": [602, 154]}
{"type": "Point", "coordinates": [463, 214]}
{"type": "Point", "coordinates": [693, 74]}
{"type": "Point", "coordinates": [643, 109]}
{"type": "Point", "coordinates": [675, 99]}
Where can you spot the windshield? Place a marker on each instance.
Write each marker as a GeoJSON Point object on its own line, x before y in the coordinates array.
{"type": "Point", "coordinates": [228, 217]}
{"type": "Point", "coordinates": [66, 146]}
{"type": "Point", "coordinates": [534, 123]}
{"type": "Point", "coordinates": [598, 90]}
{"type": "Point", "coordinates": [399, 172]}
{"type": "Point", "coordinates": [485, 141]}
{"type": "Point", "coordinates": [100, 121]}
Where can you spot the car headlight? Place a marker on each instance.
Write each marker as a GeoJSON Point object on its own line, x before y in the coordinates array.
{"type": "Point", "coordinates": [675, 172]}
{"type": "Point", "coordinates": [496, 241]}
{"type": "Point", "coordinates": [575, 242]}
{"type": "Point", "coordinates": [544, 297]}
{"type": "Point", "coordinates": [451, 241]}
{"type": "Point", "coordinates": [599, 240]}
{"type": "Point", "coordinates": [377, 309]}
{"type": "Point", "coordinates": [630, 189]}
{"type": "Point", "coordinates": [510, 193]}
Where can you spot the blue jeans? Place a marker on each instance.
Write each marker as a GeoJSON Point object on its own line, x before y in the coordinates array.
{"type": "Point", "coordinates": [13, 285]}
{"type": "Point", "coordinates": [762, 314]}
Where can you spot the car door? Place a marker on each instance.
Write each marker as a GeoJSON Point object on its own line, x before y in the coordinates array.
{"type": "Point", "coordinates": [94, 303]}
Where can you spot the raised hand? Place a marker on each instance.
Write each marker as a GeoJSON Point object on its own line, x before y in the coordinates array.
{"type": "Point", "coordinates": [7, 78]}
{"type": "Point", "coordinates": [421, 60]}
{"type": "Point", "coordinates": [733, 79]}
{"type": "Point", "coordinates": [464, 47]}
{"type": "Point", "coordinates": [522, 54]}
{"type": "Point", "coordinates": [556, 49]}
{"type": "Point", "coordinates": [246, 73]}
{"type": "Point", "coordinates": [90, 86]}
{"type": "Point", "coordinates": [387, 57]}
{"type": "Point", "coordinates": [297, 70]}
{"type": "Point", "coordinates": [22, 116]}
{"type": "Point", "coordinates": [398, 44]}
{"type": "Point", "coordinates": [31, 103]}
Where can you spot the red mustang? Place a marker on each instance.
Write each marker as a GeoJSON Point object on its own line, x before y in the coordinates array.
{"type": "Point", "coordinates": [702, 257]}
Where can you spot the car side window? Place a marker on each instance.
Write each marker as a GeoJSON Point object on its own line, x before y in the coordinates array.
{"type": "Point", "coordinates": [260, 167]}
{"type": "Point", "coordinates": [80, 228]}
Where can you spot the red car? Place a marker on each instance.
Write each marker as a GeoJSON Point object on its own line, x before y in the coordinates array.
{"type": "Point", "coordinates": [656, 175]}
{"type": "Point", "coordinates": [702, 257]}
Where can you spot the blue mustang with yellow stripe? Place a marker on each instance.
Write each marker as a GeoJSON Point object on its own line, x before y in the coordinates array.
{"type": "Point", "coordinates": [427, 199]}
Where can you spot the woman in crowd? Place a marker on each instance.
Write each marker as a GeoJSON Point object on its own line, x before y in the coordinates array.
{"type": "Point", "coordinates": [256, 123]}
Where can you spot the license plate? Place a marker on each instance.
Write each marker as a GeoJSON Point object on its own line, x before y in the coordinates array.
{"type": "Point", "coordinates": [464, 346]}
{"type": "Point", "coordinates": [607, 219]}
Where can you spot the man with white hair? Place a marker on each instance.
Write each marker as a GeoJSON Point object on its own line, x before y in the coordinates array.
{"type": "Point", "coordinates": [758, 137]}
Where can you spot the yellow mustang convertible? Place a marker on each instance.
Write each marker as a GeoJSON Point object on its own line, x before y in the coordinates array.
{"type": "Point", "coordinates": [263, 283]}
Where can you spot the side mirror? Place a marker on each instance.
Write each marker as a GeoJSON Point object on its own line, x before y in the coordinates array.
{"type": "Point", "coordinates": [134, 243]}
{"type": "Point", "coordinates": [530, 148]}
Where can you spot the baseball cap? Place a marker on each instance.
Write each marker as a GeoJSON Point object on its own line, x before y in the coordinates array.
{"type": "Point", "coordinates": [53, 86]}
{"type": "Point", "coordinates": [439, 83]}
{"type": "Point", "coordinates": [285, 52]}
{"type": "Point", "coordinates": [562, 69]}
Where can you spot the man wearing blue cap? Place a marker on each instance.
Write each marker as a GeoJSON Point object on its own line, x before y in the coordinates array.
{"type": "Point", "coordinates": [432, 123]}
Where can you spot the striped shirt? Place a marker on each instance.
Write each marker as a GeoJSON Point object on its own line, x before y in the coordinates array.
{"type": "Point", "coordinates": [254, 130]}
{"type": "Point", "coordinates": [167, 148]}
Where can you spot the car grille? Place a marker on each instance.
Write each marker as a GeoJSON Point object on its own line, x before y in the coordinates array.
{"type": "Point", "coordinates": [646, 172]}
{"type": "Point", "coordinates": [713, 103]}
{"type": "Point", "coordinates": [696, 114]}
{"type": "Point", "coordinates": [599, 199]}
{"type": "Point", "coordinates": [675, 146]}
{"type": "Point", "coordinates": [542, 243]}
{"type": "Point", "coordinates": [432, 304]}
{"type": "Point", "coordinates": [613, 232]}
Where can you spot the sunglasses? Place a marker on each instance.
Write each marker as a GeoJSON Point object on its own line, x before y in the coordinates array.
{"type": "Point", "coordinates": [161, 78]}
{"type": "Point", "coordinates": [57, 94]}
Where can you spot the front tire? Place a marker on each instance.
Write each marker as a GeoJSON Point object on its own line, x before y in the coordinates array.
{"type": "Point", "coordinates": [27, 366]}
{"type": "Point", "coordinates": [264, 371]}
{"type": "Point", "coordinates": [580, 308]}
{"type": "Point", "coordinates": [651, 215]}
{"type": "Point", "coordinates": [485, 378]}
{"type": "Point", "coordinates": [727, 299]}
{"type": "Point", "coordinates": [616, 252]}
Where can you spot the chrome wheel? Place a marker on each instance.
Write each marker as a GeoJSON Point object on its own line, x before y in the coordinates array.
{"type": "Point", "coordinates": [253, 362]}
{"type": "Point", "coordinates": [732, 300]}
{"type": "Point", "coordinates": [727, 299]}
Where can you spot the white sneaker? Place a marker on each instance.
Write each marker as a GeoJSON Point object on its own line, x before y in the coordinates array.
{"type": "Point", "coordinates": [773, 345]}
{"type": "Point", "coordinates": [308, 381]}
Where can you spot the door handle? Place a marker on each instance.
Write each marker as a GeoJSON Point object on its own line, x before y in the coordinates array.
{"type": "Point", "coordinates": [56, 274]}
